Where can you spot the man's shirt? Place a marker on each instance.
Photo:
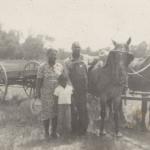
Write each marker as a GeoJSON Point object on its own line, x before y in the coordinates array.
{"type": "Point", "coordinates": [77, 73]}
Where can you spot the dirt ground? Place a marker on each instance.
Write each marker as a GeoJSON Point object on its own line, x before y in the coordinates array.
{"type": "Point", "coordinates": [27, 137]}
{"type": "Point", "coordinates": [21, 131]}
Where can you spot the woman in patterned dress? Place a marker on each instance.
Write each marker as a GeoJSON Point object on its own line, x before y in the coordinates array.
{"type": "Point", "coordinates": [47, 76]}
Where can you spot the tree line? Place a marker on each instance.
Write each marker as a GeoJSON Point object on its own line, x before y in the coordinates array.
{"type": "Point", "coordinates": [11, 46]}
{"type": "Point", "coordinates": [33, 47]}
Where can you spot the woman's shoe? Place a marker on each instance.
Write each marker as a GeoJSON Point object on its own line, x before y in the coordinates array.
{"type": "Point", "coordinates": [118, 135]}
{"type": "Point", "coordinates": [46, 136]}
{"type": "Point", "coordinates": [102, 133]}
{"type": "Point", "coordinates": [54, 135]}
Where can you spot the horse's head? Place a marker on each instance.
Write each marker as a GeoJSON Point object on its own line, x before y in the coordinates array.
{"type": "Point", "coordinates": [122, 46]}
{"type": "Point", "coordinates": [119, 59]}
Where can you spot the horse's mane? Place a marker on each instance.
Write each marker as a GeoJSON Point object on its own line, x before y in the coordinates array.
{"type": "Point", "coordinates": [96, 61]}
{"type": "Point", "coordinates": [92, 64]}
{"type": "Point", "coordinates": [99, 74]}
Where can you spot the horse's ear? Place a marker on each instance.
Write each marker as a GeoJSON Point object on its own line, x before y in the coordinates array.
{"type": "Point", "coordinates": [114, 43]}
{"type": "Point", "coordinates": [128, 41]}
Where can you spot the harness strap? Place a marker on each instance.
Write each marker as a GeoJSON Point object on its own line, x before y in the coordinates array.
{"type": "Point", "coordinates": [138, 74]}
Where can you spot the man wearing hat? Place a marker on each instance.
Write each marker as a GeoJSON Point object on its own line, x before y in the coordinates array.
{"type": "Point", "coordinates": [77, 74]}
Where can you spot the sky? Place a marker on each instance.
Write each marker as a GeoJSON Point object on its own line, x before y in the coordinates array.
{"type": "Point", "coordinates": [93, 23]}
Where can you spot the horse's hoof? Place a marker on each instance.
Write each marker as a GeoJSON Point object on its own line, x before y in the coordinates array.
{"type": "Point", "coordinates": [143, 129]}
{"type": "Point", "coordinates": [102, 133]}
{"type": "Point", "coordinates": [118, 135]}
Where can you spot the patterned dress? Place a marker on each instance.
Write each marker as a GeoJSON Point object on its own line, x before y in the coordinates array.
{"type": "Point", "coordinates": [49, 76]}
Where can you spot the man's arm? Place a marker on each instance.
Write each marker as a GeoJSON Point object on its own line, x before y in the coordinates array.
{"type": "Point", "coordinates": [86, 76]}
{"type": "Point", "coordinates": [66, 72]}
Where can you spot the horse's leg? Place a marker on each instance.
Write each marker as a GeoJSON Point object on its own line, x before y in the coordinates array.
{"type": "Point", "coordinates": [121, 114]}
{"type": "Point", "coordinates": [103, 113]}
{"type": "Point", "coordinates": [116, 106]}
{"type": "Point", "coordinates": [109, 103]}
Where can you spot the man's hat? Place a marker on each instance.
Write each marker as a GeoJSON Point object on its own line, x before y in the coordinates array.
{"type": "Point", "coordinates": [76, 45]}
{"type": "Point", "coordinates": [51, 50]}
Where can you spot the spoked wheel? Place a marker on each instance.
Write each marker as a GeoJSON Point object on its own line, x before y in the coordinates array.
{"type": "Point", "coordinates": [3, 83]}
{"type": "Point", "coordinates": [29, 78]}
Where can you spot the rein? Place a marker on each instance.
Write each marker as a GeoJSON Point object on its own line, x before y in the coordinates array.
{"type": "Point", "coordinates": [138, 72]}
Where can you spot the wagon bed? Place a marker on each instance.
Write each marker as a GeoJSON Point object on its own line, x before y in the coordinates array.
{"type": "Point", "coordinates": [22, 74]}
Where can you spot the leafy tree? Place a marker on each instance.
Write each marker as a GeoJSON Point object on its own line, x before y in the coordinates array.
{"type": "Point", "coordinates": [62, 54]}
{"type": "Point", "coordinates": [33, 47]}
{"type": "Point", "coordinates": [9, 44]}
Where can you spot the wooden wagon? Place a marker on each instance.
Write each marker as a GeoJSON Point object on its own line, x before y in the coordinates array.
{"type": "Point", "coordinates": [24, 77]}
{"type": "Point", "coordinates": [139, 89]}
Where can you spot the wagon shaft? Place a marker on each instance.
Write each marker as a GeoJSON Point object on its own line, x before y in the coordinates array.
{"type": "Point", "coordinates": [140, 80]}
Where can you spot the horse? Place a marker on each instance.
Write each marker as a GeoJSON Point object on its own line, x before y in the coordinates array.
{"type": "Point", "coordinates": [109, 81]}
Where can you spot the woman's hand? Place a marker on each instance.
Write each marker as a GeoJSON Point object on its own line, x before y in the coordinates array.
{"type": "Point", "coordinates": [55, 104]}
{"type": "Point", "coordinates": [39, 82]}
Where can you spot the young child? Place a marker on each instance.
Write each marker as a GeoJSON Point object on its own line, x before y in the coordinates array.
{"type": "Point", "coordinates": [62, 97]}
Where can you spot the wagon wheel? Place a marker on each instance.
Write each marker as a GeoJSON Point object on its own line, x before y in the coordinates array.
{"type": "Point", "coordinates": [29, 78]}
{"type": "Point", "coordinates": [3, 83]}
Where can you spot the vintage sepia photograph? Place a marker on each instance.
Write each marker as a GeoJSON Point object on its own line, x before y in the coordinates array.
{"type": "Point", "coordinates": [74, 74]}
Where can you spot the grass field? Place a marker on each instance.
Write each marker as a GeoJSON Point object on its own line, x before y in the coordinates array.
{"type": "Point", "coordinates": [20, 130]}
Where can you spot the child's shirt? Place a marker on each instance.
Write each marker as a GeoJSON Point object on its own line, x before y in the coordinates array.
{"type": "Point", "coordinates": [64, 94]}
